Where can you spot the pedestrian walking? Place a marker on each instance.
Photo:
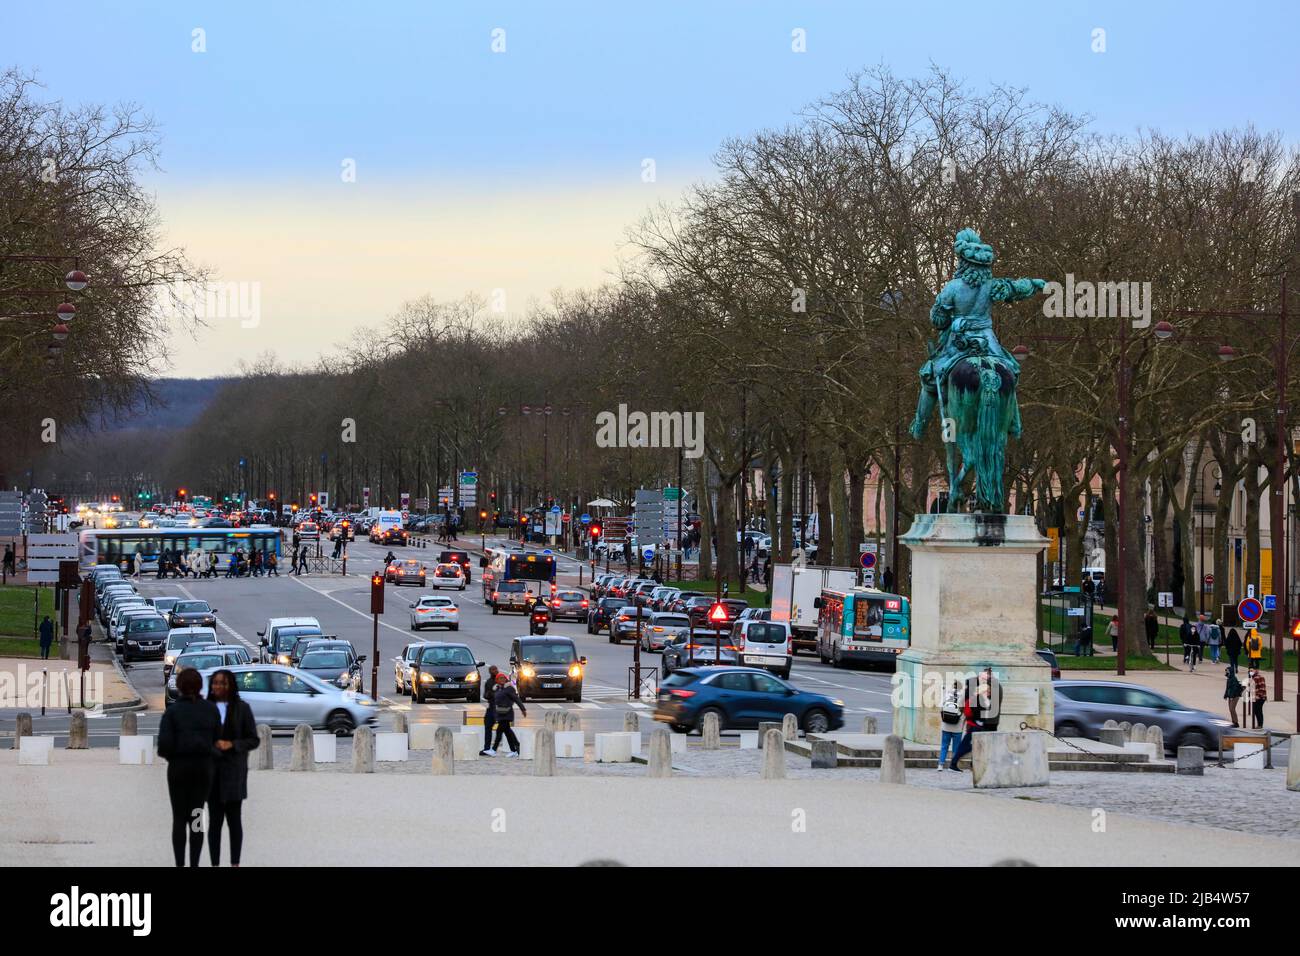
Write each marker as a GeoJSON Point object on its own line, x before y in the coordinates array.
{"type": "Point", "coordinates": [1214, 637]}
{"type": "Point", "coordinates": [1112, 631]}
{"type": "Point", "coordinates": [753, 570]}
{"type": "Point", "coordinates": [47, 637]}
{"type": "Point", "coordinates": [230, 776]}
{"type": "Point", "coordinates": [256, 563]}
{"type": "Point", "coordinates": [10, 565]}
{"type": "Point", "coordinates": [490, 714]}
{"type": "Point", "coordinates": [1232, 691]}
{"type": "Point", "coordinates": [212, 564]}
{"type": "Point", "coordinates": [1185, 636]}
{"type": "Point", "coordinates": [951, 724]}
{"type": "Point", "coordinates": [981, 707]}
{"type": "Point", "coordinates": [887, 579]}
{"type": "Point", "coordinates": [506, 699]}
{"type": "Point", "coordinates": [302, 560]}
{"type": "Point", "coordinates": [296, 541]}
{"type": "Point", "coordinates": [136, 563]}
{"type": "Point", "coordinates": [1254, 649]}
{"type": "Point", "coordinates": [1151, 624]}
{"type": "Point", "coordinates": [272, 565]}
{"type": "Point", "coordinates": [1194, 647]}
{"type": "Point", "coordinates": [1232, 647]}
{"type": "Point", "coordinates": [338, 544]}
{"type": "Point", "coordinates": [187, 739]}
{"type": "Point", "coordinates": [1083, 642]}
{"type": "Point", "coordinates": [1258, 695]}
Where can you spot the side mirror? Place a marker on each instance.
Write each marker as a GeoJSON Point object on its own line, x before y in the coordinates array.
{"type": "Point", "coordinates": [817, 602]}
{"type": "Point", "coordinates": [480, 664]}
{"type": "Point", "coordinates": [582, 661]}
{"type": "Point", "coordinates": [513, 660]}
{"type": "Point", "coordinates": [412, 606]}
{"type": "Point", "coordinates": [263, 642]}
{"type": "Point", "coordinates": [361, 659]}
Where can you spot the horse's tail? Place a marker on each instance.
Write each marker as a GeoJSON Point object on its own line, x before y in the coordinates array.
{"type": "Point", "coordinates": [991, 437]}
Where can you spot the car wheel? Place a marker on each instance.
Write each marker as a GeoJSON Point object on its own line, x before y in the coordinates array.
{"type": "Point", "coordinates": [1195, 738]}
{"type": "Point", "coordinates": [494, 609]}
{"type": "Point", "coordinates": [680, 728]}
{"type": "Point", "coordinates": [455, 627]}
{"type": "Point", "coordinates": [416, 696]}
{"type": "Point", "coordinates": [1068, 728]}
{"type": "Point", "coordinates": [577, 698]}
{"type": "Point", "coordinates": [413, 627]}
{"type": "Point", "coordinates": [821, 655]}
{"type": "Point", "coordinates": [816, 722]}
{"type": "Point", "coordinates": [340, 723]}
{"type": "Point", "coordinates": [475, 697]}
{"type": "Point", "coordinates": [722, 718]}
{"type": "Point", "coordinates": [397, 688]}
{"type": "Point", "coordinates": [835, 658]}
{"type": "Point", "coordinates": [785, 674]}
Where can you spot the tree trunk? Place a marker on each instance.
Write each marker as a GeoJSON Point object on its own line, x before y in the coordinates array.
{"type": "Point", "coordinates": [727, 558]}
{"type": "Point", "coordinates": [857, 488]}
{"type": "Point", "coordinates": [825, 540]}
{"type": "Point", "coordinates": [706, 519]}
{"type": "Point", "coordinates": [786, 526]}
{"type": "Point", "coordinates": [840, 508]}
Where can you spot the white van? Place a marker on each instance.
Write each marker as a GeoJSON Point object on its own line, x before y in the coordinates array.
{"type": "Point", "coordinates": [765, 644]}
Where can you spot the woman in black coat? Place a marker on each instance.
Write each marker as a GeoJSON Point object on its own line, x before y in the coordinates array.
{"type": "Point", "coordinates": [230, 782]}
{"type": "Point", "coordinates": [187, 740]}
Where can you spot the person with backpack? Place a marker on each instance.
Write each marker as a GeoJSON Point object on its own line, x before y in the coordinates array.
{"type": "Point", "coordinates": [1194, 645]}
{"type": "Point", "coordinates": [951, 724]}
{"type": "Point", "coordinates": [981, 707]}
{"type": "Point", "coordinates": [1112, 631]}
{"type": "Point", "coordinates": [1254, 649]}
{"type": "Point", "coordinates": [1232, 692]}
{"type": "Point", "coordinates": [1151, 624]}
{"type": "Point", "coordinates": [490, 714]}
{"type": "Point", "coordinates": [506, 697]}
{"type": "Point", "coordinates": [1214, 637]}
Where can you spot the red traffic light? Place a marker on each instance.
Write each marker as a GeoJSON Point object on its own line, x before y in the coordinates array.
{"type": "Point", "coordinates": [595, 531]}
{"type": "Point", "coordinates": [523, 519]}
{"type": "Point", "coordinates": [718, 613]}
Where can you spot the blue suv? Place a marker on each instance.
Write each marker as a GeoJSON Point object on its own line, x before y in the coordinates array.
{"type": "Point", "coordinates": [742, 697]}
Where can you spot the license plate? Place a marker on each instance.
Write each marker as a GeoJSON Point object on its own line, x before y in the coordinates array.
{"type": "Point", "coordinates": [768, 660]}
{"type": "Point", "coordinates": [552, 686]}
{"type": "Point", "coordinates": [450, 683]}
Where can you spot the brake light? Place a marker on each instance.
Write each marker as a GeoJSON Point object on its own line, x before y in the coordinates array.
{"type": "Point", "coordinates": [683, 694]}
{"type": "Point", "coordinates": [494, 595]}
{"type": "Point", "coordinates": [584, 603]}
{"type": "Point", "coordinates": [555, 603]}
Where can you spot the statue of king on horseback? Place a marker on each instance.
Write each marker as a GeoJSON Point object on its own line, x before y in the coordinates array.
{"type": "Point", "coordinates": [970, 377]}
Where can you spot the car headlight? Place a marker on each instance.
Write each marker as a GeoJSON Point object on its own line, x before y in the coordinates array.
{"type": "Point", "coordinates": [837, 702]}
{"type": "Point", "coordinates": [345, 676]}
{"type": "Point", "coordinates": [472, 675]}
{"type": "Point", "coordinates": [170, 660]}
{"type": "Point", "coordinates": [575, 671]}
{"type": "Point", "coordinates": [426, 678]}
{"type": "Point", "coordinates": [282, 659]}
{"type": "Point", "coordinates": [527, 672]}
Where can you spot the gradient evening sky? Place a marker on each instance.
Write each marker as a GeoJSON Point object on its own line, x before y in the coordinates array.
{"type": "Point", "coordinates": [521, 171]}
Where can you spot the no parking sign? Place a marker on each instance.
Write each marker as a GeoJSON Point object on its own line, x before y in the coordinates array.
{"type": "Point", "coordinates": [867, 559]}
{"type": "Point", "coordinates": [1250, 610]}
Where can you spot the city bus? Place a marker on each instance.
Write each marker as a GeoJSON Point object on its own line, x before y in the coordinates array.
{"type": "Point", "coordinates": [537, 571]}
{"type": "Point", "coordinates": [113, 546]}
{"type": "Point", "coordinates": [862, 624]}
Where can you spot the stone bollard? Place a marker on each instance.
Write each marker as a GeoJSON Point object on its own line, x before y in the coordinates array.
{"type": "Point", "coordinates": [78, 732]}
{"type": "Point", "coordinates": [1293, 764]}
{"type": "Point", "coordinates": [869, 725]}
{"type": "Point", "coordinates": [129, 725]}
{"type": "Point", "coordinates": [304, 749]}
{"type": "Point", "coordinates": [399, 722]}
{"type": "Point", "coordinates": [363, 750]}
{"type": "Point", "coordinates": [22, 728]}
{"type": "Point", "coordinates": [661, 753]}
{"type": "Point", "coordinates": [544, 753]}
{"type": "Point", "coordinates": [1110, 724]}
{"type": "Point", "coordinates": [1115, 736]}
{"type": "Point", "coordinates": [763, 727]}
{"type": "Point", "coordinates": [790, 727]}
{"type": "Point", "coordinates": [554, 720]}
{"type": "Point", "coordinates": [1009, 759]}
{"type": "Point", "coordinates": [265, 750]}
{"type": "Point", "coordinates": [631, 723]}
{"type": "Point", "coordinates": [444, 757]}
{"type": "Point", "coordinates": [1191, 762]}
{"type": "Point", "coordinates": [891, 761]}
{"type": "Point", "coordinates": [1138, 734]}
{"type": "Point", "coordinates": [1156, 735]}
{"type": "Point", "coordinates": [773, 753]}
{"type": "Point", "coordinates": [1125, 726]}
{"type": "Point", "coordinates": [712, 732]}
{"type": "Point", "coordinates": [572, 722]}
{"type": "Point", "coordinates": [825, 755]}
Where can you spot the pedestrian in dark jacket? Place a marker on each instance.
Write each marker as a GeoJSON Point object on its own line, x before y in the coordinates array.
{"type": "Point", "coordinates": [1232, 644]}
{"type": "Point", "coordinates": [230, 780]}
{"type": "Point", "coordinates": [1185, 633]}
{"type": "Point", "coordinates": [981, 707]}
{"type": "Point", "coordinates": [506, 700]}
{"type": "Point", "coordinates": [187, 740]}
{"type": "Point", "coordinates": [490, 714]}
{"type": "Point", "coordinates": [47, 637]}
{"type": "Point", "coordinates": [1152, 625]}
{"type": "Point", "coordinates": [1232, 692]}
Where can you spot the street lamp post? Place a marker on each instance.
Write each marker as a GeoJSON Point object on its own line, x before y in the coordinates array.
{"type": "Point", "coordinates": [1200, 520]}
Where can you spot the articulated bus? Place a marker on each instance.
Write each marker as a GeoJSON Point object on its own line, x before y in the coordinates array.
{"type": "Point", "coordinates": [862, 624]}
{"type": "Point", "coordinates": [537, 571]}
{"type": "Point", "coordinates": [113, 546]}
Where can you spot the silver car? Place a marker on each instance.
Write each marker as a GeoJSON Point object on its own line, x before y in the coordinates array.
{"type": "Point", "coordinates": [1083, 706]}
{"type": "Point", "coordinates": [570, 604]}
{"type": "Point", "coordinates": [283, 697]}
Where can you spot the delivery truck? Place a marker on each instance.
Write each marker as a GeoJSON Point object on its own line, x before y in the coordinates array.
{"type": "Point", "coordinates": [795, 591]}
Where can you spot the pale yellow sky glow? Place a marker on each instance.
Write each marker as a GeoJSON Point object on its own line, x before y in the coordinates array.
{"type": "Point", "coordinates": [322, 262]}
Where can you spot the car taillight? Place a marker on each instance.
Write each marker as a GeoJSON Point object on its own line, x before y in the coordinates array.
{"type": "Point", "coordinates": [555, 603]}
{"type": "Point", "coordinates": [584, 603]}
{"type": "Point", "coordinates": [494, 595]}
{"type": "Point", "coordinates": [683, 694]}
{"type": "Point", "coordinates": [789, 646]}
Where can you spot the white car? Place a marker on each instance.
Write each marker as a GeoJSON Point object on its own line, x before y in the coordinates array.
{"type": "Point", "coordinates": [764, 644]}
{"type": "Point", "coordinates": [279, 635]}
{"type": "Point", "coordinates": [447, 576]}
{"type": "Point", "coordinates": [434, 611]}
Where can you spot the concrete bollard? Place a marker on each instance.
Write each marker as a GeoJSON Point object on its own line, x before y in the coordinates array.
{"type": "Point", "coordinates": [22, 728]}
{"type": "Point", "coordinates": [544, 753]}
{"type": "Point", "coordinates": [631, 723]}
{"type": "Point", "coordinates": [1110, 724]}
{"type": "Point", "coordinates": [265, 751]}
{"type": "Point", "coordinates": [825, 755]}
{"type": "Point", "coordinates": [363, 750]}
{"type": "Point", "coordinates": [763, 727]}
{"type": "Point", "coordinates": [661, 753]}
{"type": "Point", "coordinates": [1114, 736]}
{"type": "Point", "coordinates": [1293, 764]}
{"type": "Point", "coordinates": [712, 732]}
{"type": "Point", "coordinates": [304, 749]}
{"type": "Point", "coordinates": [399, 722]}
{"type": "Point", "coordinates": [553, 721]}
{"type": "Point", "coordinates": [444, 756]}
{"type": "Point", "coordinates": [1009, 759]}
{"type": "Point", "coordinates": [1137, 734]}
{"type": "Point", "coordinates": [1125, 726]}
{"type": "Point", "coordinates": [572, 722]}
{"type": "Point", "coordinates": [869, 725]}
{"type": "Point", "coordinates": [1156, 735]}
{"type": "Point", "coordinates": [129, 725]}
{"type": "Point", "coordinates": [790, 727]}
{"type": "Point", "coordinates": [891, 761]}
{"type": "Point", "coordinates": [1191, 762]}
{"type": "Point", "coordinates": [773, 753]}
{"type": "Point", "coordinates": [78, 732]}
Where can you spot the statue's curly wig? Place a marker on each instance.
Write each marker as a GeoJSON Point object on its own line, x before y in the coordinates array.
{"type": "Point", "coordinates": [970, 249]}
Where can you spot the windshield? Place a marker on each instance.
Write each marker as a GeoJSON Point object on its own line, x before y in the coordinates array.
{"type": "Point", "coordinates": [543, 569]}
{"type": "Point", "coordinates": [512, 586]}
{"type": "Point", "coordinates": [548, 653]}
{"type": "Point", "coordinates": [182, 639]}
{"type": "Point", "coordinates": [325, 659]}
{"type": "Point", "coordinates": [147, 624]}
{"type": "Point", "coordinates": [286, 637]}
{"type": "Point", "coordinates": [192, 607]}
{"type": "Point", "coordinates": [446, 656]}
{"type": "Point", "coordinates": [199, 662]}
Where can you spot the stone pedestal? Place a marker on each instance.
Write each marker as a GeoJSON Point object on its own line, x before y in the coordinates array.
{"type": "Point", "coordinates": [974, 604]}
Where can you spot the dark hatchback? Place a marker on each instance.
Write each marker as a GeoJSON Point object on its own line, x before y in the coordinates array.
{"type": "Point", "coordinates": [145, 638]}
{"type": "Point", "coordinates": [444, 671]}
{"type": "Point", "coordinates": [547, 667]}
{"type": "Point", "coordinates": [599, 614]}
{"type": "Point", "coordinates": [193, 614]}
{"type": "Point", "coordinates": [742, 697]}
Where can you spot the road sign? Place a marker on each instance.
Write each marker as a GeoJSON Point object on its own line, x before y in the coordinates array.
{"type": "Point", "coordinates": [555, 509]}
{"type": "Point", "coordinates": [647, 554]}
{"type": "Point", "coordinates": [1209, 582]}
{"type": "Point", "coordinates": [469, 477]}
{"type": "Point", "coordinates": [1250, 610]}
{"type": "Point", "coordinates": [585, 518]}
{"type": "Point", "coordinates": [1165, 599]}
{"type": "Point", "coordinates": [869, 578]}
{"type": "Point", "coordinates": [44, 552]}
{"type": "Point", "coordinates": [406, 500]}
{"type": "Point", "coordinates": [1270, 602]}
{"type": "Point", "coordinates": [365, 497]}
{"type": "Point", "coordinates": [1250, 588]}
{"type": "Point", "coordinates": [867, 559]}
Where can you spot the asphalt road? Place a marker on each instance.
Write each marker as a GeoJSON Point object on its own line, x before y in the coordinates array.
{"type": "Point", "coordinates": [342, 605]}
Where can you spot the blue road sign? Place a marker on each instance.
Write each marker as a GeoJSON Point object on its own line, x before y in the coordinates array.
{"type": "Point", "coordinates": [868, 559]}
{"type": "Point", "coordinates": [1270, 602]}
{"type": "Point", "coordinates": [586, 518]}
{"type": "Point", "coordinates": [1250, 610]}
{"type": "Point", "coordinates": [555, 509]}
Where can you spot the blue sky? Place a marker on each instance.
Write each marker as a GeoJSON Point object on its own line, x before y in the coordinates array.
{"type": "Point", "coordinates": [563, 119]}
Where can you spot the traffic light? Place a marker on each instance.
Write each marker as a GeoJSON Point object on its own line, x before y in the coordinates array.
{"type": "Point", "coordinates": [596, 531]}
{"type": "Point", "coordinates": [377, 593]}
{"type": "Point", "coordinates": [313, 501]}
{"type": "Point", "coordinates": [294, 506]}
{"type": "Point", "coordinates": [482, 515]}
{"type": "Point", "coordinates": [1295, 629]}
{"type": "Point", "coordinates": [493, 497]}
{"type": "Point", "coordinates": [180, 495]}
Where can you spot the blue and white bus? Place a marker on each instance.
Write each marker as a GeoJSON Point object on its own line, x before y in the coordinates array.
{"type": "Point", "coordinates": [113, 546]}
{"type": "Point", "coordinates": [862, 624]}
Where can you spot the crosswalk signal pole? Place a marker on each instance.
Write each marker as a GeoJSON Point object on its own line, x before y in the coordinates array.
{"type": "Point", "coordinates": [376, 609]}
